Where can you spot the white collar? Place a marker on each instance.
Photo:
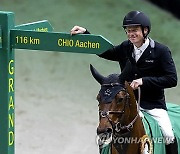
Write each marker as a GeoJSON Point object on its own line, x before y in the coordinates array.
{"type": "Point", "coordinates": [143, 47]}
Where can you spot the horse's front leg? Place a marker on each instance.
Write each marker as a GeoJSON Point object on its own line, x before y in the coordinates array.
{"type": "Point", "coordinates": [114, 151]}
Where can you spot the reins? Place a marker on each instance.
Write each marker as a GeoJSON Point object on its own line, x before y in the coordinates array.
{"type": "Point", "coordinates": [139, 99]}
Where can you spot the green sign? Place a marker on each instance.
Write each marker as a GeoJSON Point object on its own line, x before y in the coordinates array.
{"type": "Point", "coordinates": [63, 42]}
{"type": "Point", "coordinates": [7, 136]}
{"type": "Point", "coordinates": [40, 26]}
{"type": "Point", "coordinates": [0, 38]}
{"type": "Point", "coordinates": [35, 36]}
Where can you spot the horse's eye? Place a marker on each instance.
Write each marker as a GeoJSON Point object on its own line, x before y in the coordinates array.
{"type": "Point", "coordinates": [120, 100]}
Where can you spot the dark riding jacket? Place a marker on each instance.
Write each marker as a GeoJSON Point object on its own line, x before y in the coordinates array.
{"type": "Point", "coordinates": [155, 66]}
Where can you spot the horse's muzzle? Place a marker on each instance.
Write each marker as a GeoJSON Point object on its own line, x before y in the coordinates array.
{"type": "Point", "coordinates": [103, 130]}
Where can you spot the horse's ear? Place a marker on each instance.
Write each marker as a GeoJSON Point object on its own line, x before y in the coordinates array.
{"type": "Point", "coordinates": [130, 91]}
{"type": "Point", "coordinates": [99, 78]}
{"type": "Point", "coordinates": [126, 72]}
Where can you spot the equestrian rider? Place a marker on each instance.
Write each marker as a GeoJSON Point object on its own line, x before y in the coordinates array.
{"type": "Point", "coordinates": [153, 69]}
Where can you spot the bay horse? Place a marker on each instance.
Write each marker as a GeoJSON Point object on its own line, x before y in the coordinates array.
{"type": "Point", "coordinates": [119, 118]}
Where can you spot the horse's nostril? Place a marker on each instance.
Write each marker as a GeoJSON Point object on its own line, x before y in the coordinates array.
{"type": "Point", "coordinates": [109, 130]}
{"type": "Point", "coordinates": [104, 130]}
{"type": "Point", "coordinates": [99, 131]}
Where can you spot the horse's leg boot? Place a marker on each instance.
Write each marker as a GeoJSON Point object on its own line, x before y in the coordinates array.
{"type": "Point", "coordinates": [172, 148]}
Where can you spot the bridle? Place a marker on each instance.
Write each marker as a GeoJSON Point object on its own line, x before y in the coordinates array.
{"type": "Point", "coordinates": [118, 126]}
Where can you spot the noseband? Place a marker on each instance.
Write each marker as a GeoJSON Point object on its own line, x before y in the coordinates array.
{"type": "Point", "coordinates": [118, 126]}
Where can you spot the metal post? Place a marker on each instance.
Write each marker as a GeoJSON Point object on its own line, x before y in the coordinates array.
{"type": "Point", "coordinates": [6, 85]}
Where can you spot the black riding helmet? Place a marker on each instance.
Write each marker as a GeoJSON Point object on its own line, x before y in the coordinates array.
{"type": "Point", "coordinates": [135, 18]}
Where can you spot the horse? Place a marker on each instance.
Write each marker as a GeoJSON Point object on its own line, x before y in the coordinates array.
{"type": "Point", "coordinates": [119, 119]}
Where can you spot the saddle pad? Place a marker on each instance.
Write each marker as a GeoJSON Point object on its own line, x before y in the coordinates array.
{"type": "Point", "coordinates": [153, 130]}
{"type": "Point", "coordinates": [106, 149]}
{"type": "Point", "coordinates": [174, 114]}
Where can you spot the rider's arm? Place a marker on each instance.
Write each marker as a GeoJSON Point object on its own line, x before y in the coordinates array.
{"type": "Point", "coordinates": [111, 54]}
{"type": "Point", "coordinates": [168, 77]}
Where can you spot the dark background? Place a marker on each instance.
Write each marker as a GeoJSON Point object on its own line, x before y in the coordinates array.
{"type": "Point", "coordinates": [172, 6]}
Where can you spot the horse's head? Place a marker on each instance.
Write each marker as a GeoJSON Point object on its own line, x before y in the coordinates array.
{"type": "Point", "coordinates": [115, 97]}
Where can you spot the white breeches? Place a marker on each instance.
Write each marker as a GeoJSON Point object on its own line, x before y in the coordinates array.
{"type": "Point", "coordinates": [161, 116]}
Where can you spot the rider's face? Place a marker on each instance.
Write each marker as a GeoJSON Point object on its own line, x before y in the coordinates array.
{"type": "Point", "coordinates": [135, 35]}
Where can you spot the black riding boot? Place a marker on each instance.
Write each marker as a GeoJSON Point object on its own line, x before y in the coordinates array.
{"type": "Point", "coordinates": [172, 148]}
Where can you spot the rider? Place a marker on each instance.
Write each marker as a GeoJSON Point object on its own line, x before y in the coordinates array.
{"type": "Point", "coordinates": [153, 69]}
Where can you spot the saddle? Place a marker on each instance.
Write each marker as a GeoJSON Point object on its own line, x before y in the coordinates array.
{"type": "Point", "coordinates": [154, 132]}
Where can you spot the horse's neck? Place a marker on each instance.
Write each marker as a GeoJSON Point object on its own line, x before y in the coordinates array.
{"type": "Point", "coordinates": [133, 109]}
{"type": "Point", "coordinates": [138, 130]}
{"type": "Point", "coordinates": [132, 101]}
{"type": "Point", "coordinates": [138, 125]}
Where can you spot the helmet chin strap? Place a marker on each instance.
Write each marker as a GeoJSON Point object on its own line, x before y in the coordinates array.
{"type": "Point", "coordinates": [144, 35]}
{"type": "Point", "coordinates": [142, 28]}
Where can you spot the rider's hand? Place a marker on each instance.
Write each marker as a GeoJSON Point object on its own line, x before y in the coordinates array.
{"type": "Point", "coordinates": [136, 83]}
{"type": "Point", "coordinates": [77, 30]}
